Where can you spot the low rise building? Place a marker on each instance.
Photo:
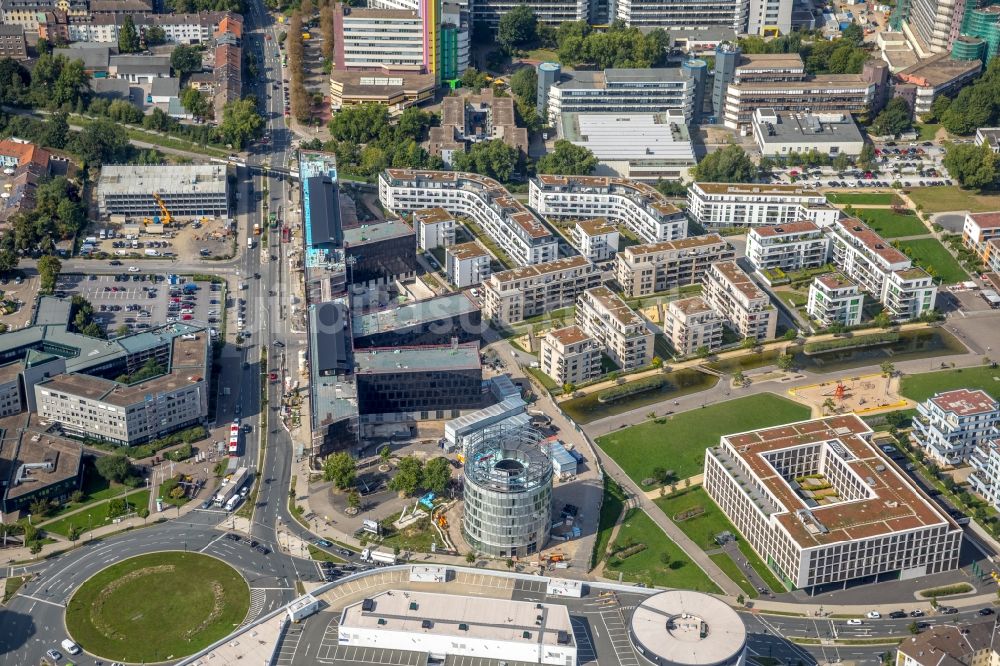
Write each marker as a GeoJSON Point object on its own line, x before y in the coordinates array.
{"type": "Point", "coordinates": [789, 247]}
{"type": "Point", "coordinates": [822, 505]}
{"type": "Point", "coordinates": [989, 136]}
{"type": "Point", "coordinates": [952, 645]}
{"type": "Point", "coordinates": [467, 264]}
{"type": "Point", "coordinates": [833, 299]}
{"type": "Point", "coordinates": [641, 270]}
{"type": "Point", "coordinates": [726, 205]}
{"type": "Point", "coordinates": [602, 315]}
{"type": "Point", "coordinates": [595, 238]}
{"type": "Point", "coordinates": [435, 228]}
{"type": "Point", "coordinates": [780, 134]}
{"type": "Point", "coordinates": [186, 190]}
{"type": "Point", "coordinates": [950, 424]}
{"type": "Point", "coordinates": [731, 292]}
{"type": "Point", "coordinates": [570, 356]}
{"type": "Point", "coordinates": [513, 227]}
{"type": "Point", "coordinates": [468, 119]}
{"type": "Point", "coordinates": [515, 295]}
{"type": "Point", "coordinates": [637, 206]}
{"type": "Point", "coordinates": [981, 234]}
{"type": "Point", "coordinates": [393, 89]}
{"type": "Point", "coordinates": [139, 68]}
{"type": "Point", "coordinates": [621, 91]}
{"type": "Point", "coordinates": [691, 326]}
{"type": "Point", "coordinates": [433, 321]}
{"type": "Point", "coordinates": [35, 465]}
{"type": "Point", "coordinates": [935, 76]}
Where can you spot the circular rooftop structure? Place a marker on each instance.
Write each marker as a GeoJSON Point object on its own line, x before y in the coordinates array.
{"type": "Point", "coordinates": [684, 628]}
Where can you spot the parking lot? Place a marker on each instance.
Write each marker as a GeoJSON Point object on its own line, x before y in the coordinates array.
{"type": "Point", "coordinates": [138, 301]}
{"type": "Point", "coordinates": [18, 294]}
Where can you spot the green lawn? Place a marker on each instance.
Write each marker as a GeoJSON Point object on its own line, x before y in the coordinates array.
{"type": "Point", "coordinates": [932, 256]}
{"type": "Point", "coordinates": [891, 224]}
{"type": "Point", "coordinates": [950, 197]}
{"type": "Point", "coordinates": [98, 514]}
{"type": "Point", "coordinates": [679, 442]}
{"type": "Point", "coordinates": [157, 607]}
{"type": "Point", "coordinates": [611, 510]}
{"type": "Point", "coordinates": [95, 488]}
{"type": "Point", "coordinates": [863, 198]}
{"type": "Point", "coordinates": [791, 298]}
{"type": "Point", "coordinates": [927, 132]}
{"type": "Point", "coordinates": [924, 385]}
{"type": "Point", "coordinates": [724, 562]}
{"type": "Point", "coordinates": [661, 564]}
{"type": "Point", "coordinates": [320, 555]}
{"type": "Point", "coordinates": [546, 381]}
{"type": "Point", "coordinates": [416, 537]}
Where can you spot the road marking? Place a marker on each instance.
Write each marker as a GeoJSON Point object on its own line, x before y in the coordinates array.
{"type": "Point", "coordinates": [44, 601]}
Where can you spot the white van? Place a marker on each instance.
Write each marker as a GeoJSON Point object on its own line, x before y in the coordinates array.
{"type": "Point", "coordinates": [70, 647]}
{"type": "Point", "coordinates": [233, 501]}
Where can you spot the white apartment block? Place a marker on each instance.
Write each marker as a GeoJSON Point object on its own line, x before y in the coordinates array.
{"type": "Point", "coordinates": [467, 264]}
{"type": "Point", "coordinates": [514, 228]}
{"type": "Point", "coordinates": [371, 38]}
{"type": "Point", "coordinates": [621, 91]}
{"type": "Point", "coordinates": [570, 356]}
{"type": "Point", "coordinates": [514, 295]}
{"type": "Point", "coordinates": [638, 207]}
{"type": "Point", "coordinates": [435, 228]}
{"type": "Point", "coordinates": [833, 299]}
{"type": "Point", "coordinates": [790, 247]}
{"type": "Point", "coordinates": [641, 270]}
{"type": "Point", "coordinates": [595, 238]}
{"type": "Point", "coordinates": [731, 292]}
{"type": "Point", "coordinates": [881, 270]}
{"type": "Point", "coordinates": [981, 234]}
{"type": "Point", "coordinates": [177, 28]}
{"type": "Point", "coordinates": [950, 424]}
{"type": "Point", "coordinates": [821, 504]}
{"type": "Point", "coordinates": [724, 205]}
{"type": "Point", "coordinates": [604, 316]}
{"type": "Point", "coordinates": [690, 325]}
{"type": "Point", "coordinates": [985, 462]}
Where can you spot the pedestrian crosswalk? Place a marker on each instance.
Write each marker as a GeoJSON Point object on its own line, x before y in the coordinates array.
{"type": "Point", "coordinates": [614, 622]}
{"type": "Point", "coordinates": [258, 598]}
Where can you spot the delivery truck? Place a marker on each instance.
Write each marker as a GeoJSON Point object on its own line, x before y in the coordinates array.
{"type": "Point", "coordinates": [378, 555]}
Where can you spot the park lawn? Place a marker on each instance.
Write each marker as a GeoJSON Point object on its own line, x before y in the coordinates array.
{"type": "Point", "coordinates": [678, 443]}
{"type": "Point", "coordinates": [544, 379]}
{"type": "Point", "coordinates": [929, 253]}
{"type": "Point", "coordinates": [927, 132]}
{"type": "Point", "coordinates": [648, 565]}
{"type": "Point", "coordinates": [98, 515]}
{"type": "Point", "coordinates": [891, 224]}
{"type": "Point", "coordinates": [95, 488]}
{"type": "Point", "coordinates": [921, 386]}
{"type": "Point", "coordinates": [702, 529]}
{"type": "Point", "coordinates": [863, 198]}
{"type": "Point", "coordinates": [946, 198]}
{"type": "Point", "coordinates": [611, 510]}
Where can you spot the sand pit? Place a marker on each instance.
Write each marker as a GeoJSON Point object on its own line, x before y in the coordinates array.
{"type": "Point", "coordinates": [867, 394]}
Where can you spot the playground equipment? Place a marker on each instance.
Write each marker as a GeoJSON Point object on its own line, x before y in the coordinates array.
{"type": "Point", "coordinates": [839, 393]}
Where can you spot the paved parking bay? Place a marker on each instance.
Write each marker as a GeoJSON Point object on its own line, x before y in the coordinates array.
{"type": "Point", "coordinates": [585, 651]}
{"type": "Point", "coordinates": [347, 654]}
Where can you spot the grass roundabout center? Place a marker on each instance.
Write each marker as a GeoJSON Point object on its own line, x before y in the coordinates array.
{"type": "Point", "coordinates": [157, 607]}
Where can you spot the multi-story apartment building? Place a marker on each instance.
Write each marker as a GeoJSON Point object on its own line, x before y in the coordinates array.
{"type": "Point", "coordinates": [734, 295]}
{"type": "Point", "coordinates": [833, 299]}
{"type": "Point", "coordinates": [641, 270]}
{"type": "Point", "coordinates": [950, 424]}
{"type": "Point", "coordinates": [985, 462]}
{"type": "Point", "coordinates": [605, 317]}
{"type": "Point", "coordinates": [26, 13]}
{"type": "Point", "coordinates": [488, 12]}
{"type": "Point", "coordinates": [790, 247]}
{"type": "Point", "coordinates": [690, 14]}
{"type": "Point", "coordinates": [376, 38]}
{"type": "Point", "coordinates": [595, 238]}
{"type": "Point", "coordinates": [821, 505]}
{"type": "Point", "coordinates": [690, 325]}
{"type": "Point", "coordinates": [957, 644]}
{"type": "Point", "coordinates": [514, 228]}
{"type": "Point", "coordinates": [435, 228]}
{"type": "Point", "coordinates": [981, 234]}
{"type": "Point", "coordinates": [197, 28]}
{"type": "Point", "coordinates": [187, 190]}
{"type": "Point", "coordinates": [514, 295]}
{"type": "Point", "coordinates": [622, 91]}
{"type": "Point", "coordinates": [724, 205]}
{"type": "Point", "coordinates": [12, 42]}
{"type": "Point", "coordinates": [570, 356]}
{"type": "Point", "coordinates": [638, 207]}
{"type": "Point", "coordinates": [881, 270]}
{"type": "Point", "coordinates": [467, 264]}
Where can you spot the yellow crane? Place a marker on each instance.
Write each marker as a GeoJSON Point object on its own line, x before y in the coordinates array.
{"type": "Point", "coordinates": [166, 217]}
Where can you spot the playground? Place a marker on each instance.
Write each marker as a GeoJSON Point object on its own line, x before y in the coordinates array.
{"type": "Point", "coordinates": [868, 394]}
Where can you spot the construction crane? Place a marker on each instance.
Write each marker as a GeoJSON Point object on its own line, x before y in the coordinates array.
{"type": "Point", "coordinates": [166, 218]}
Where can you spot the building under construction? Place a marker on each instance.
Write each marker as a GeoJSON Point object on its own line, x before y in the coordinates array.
{"type": "Point", "coordinates": [186, 191]}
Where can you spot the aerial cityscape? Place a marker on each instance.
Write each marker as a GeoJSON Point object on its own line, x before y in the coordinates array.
{"type": "Point", "coordinates": [499, 332]}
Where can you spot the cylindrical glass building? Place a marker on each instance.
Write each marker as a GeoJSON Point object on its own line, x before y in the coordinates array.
{"type": "Point", "coordinates": [508, 493]}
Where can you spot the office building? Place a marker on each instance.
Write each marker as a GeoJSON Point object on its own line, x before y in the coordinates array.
{"type": "Point", "coordinates": [626, 338]}
{"type": "Point", "coordinates": [570, 356]}
{"type": "Point", "coordinates": [621, 91]}
{"type": "Point", "coordinates": [381, 253]}
{"type": "Point", "coordinates": [187, 191]}
{"type": "Point", "coordinates": [989, 136]}
{"type": "Point", "coordinates": [434, 321]}
{"type": "Point", "coordinates": [507, 493]}
{"type": "Point", "coordinates": [455, 37]}
{"type": "Point", "coordinates": [638, 207]}
{"type": "Point", "coordinates": [641, 270]}
{"type": "Point", "coordinates": [780, 134]}
{"type": "Point", "coordinates": [789, 247]}
{"type": "Point", "coordinates": [513, 227]}
{"type": "Point", "coordinates": [957, 644]}
{"type": "Point", "coordinates": [366, 38]}
{"type": "Point", "coordinates": [469, 119]}
{"type": "Point", "coordinates": [467, 264]}
{"type": "Point", "coordinates": [488, 12]}
{"type": "Point", "coordinates": [499, 417]}
{"type": "Point", "coordinates": [881, 270]}
{"type": "Point", "coordinates": [938, 75]}
{"type": "Point", "coordinates": [394, 89]}
{"type": "Point", "coordinates": [515, 295]}
{"type": "Point", "coordinates": [739, 301]}
{"type": "Point", "coordinates": [689, 14]}
{"type": "Point", "coordinates": [727, 205]}
{"type": "Point", "coordinates": [332, 386]}
{"type": "Point", "coordinates": [460, 627]}
{"type": "Point", "coordinates": [833, 299]}
{"type": "Point", "coordinates": [686, 628]}
{"type": "Point", "coordinates": [549, 74]}
{"type": "Point", "coordinates": [435, 228]}
{"type": "Point", "coordinates": [981, 234]}
{"type": "Point", "coordinates": [821, 505]}
{"type": "Point", "coordinates": [691, 326]}
{"type": "Point", "coordinates": [595, 238]}
{"type": "Point", "coordinates": [948, 425]}
{"type": "Point", "coordinates": [35, 465]}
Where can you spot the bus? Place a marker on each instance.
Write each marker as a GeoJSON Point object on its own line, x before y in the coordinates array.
{"type": "Point", "coordinates": [234, 440]}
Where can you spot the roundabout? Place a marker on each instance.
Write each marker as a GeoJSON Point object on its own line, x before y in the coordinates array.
{"type": "Point", "coordinates": [157, 607]}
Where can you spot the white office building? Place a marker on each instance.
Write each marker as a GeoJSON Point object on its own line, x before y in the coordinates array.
{"type": "Point", "coordinates": [622, 91]}
{"type": "Point", "coordinates": [784, 133]}
{"type": "Point", "coordinates": [789, 247]}
{"type": "Point", "coordinates": [723, 205]}
{"type": "Point", "coordinates": [833, 299]}
{"type": "Point", "coordinates": [187, 191]}
{"type": "Point", "coordinates": [949, 425]}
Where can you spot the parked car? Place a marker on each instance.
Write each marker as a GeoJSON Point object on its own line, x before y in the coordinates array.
{"type": "Point", "coordinates": [874, 615]}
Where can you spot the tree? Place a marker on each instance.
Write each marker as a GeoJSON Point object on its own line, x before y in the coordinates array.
{"type": "Point", "coordinates": [703, 351]}
{"type": "Point", "coordinates": [867, 156]}
{"type": "Point", "coordinates": [972, 165]}
{"type": "Point", "coordinates": [786, 362]}
{"type": "Point", "coordinates": [35, 547]}
{"type": "Point", "coordinates": [342, 469]}
{"type": "Point", "coordinates": [524, 84]}
{"type": "Point", "coordinates": [829, 406]}
{"type": "Point", "coordinates": [385, 453]}
{"type": "Point", "coordinates": [894, 118]}
{"type": "Point", "coordinates": [853, 34]}
{"type": "Point", "coordinates": [354, 499]}
{"type": "Point", "coordinates": [729, 165]}
{"type": "Point", "coordinates": [888, 369]}
{"type": "Point", "coordinates": [240, 122]}
{"type": "Point", "coordinates": [48, 271]}
{"type": "Point", "coordinates": [359, 124]}
{"type": "Point", "coordinates": [409, 476]}
{"type": "Point", "coordinates": [8, 260]}
{"type": "Point", "coordinates": [102, 141]}
{"type": "Point", "coordinates": [128, 38]}
{"type": "Point", "coordinates": [326, 29]}
{"type": "Point", "coordinates": [739, 378]}
{"type": "Point", "coordinates": [470, 557]}
{"type": "Point", "coordinates": [567, 159]}
{"type": "Point", "coordinates": [914, 628]}
{"type": "Point", "coordinates": [124, 112]}
{"type": "Point", "coordinates": [40, 507]}
{"type": "Point", "coordinates": [154, 36]}
{"type": "Point", "coordinates": [517, 28]}
{"type": "Point", "coordinates": [122, 330]}
{"type": "Point", "coordinates": [938, 108]}
{"type": "Point", "coordinates": [494, 159]}
{"type": "Point", "coordinates": [115, 467]}
{"type": "Point", "coordinates": [473, 78]}
{"type": "Point", "coordinates": [973, 107]}
{"type": "Point", "coordinates": [437, 474]}
{"type": "Point", "coordinates": [185, 59]}
{"type": "Point", "coordinates": [195, 103]}
{"type": "Point", "coordinates": [882, 320]}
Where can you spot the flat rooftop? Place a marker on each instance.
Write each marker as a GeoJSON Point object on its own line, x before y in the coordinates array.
{"type": "Point", "coordinates": [373, 233]}
{"type": "Point", "coordinates": [938, 70]}
{"type": "Point", "coordinates": [541, 270]}
{"type": "Point", "coordinates": [739, 279]}
{"type": "Point", "coordinates": [689, 628]}
{"type": "Point", "coordinates": [751, 61]}
{"type": "Point", "coordinates": [417, 359]}
{"type": "Point", "coordinates": [432, 216]}
{"type": "Point", "coordinates": [465, 251]}
{"type": "Point", "coordinates": [645, 136]}
{"type": "Point", "coordinates": [786, 229]}
{"type": "Point", "coordinates": [615, 306]}
{"type": "Point", "coordinates": [757, 189]}
{"type": "Point", "coordinates": [836, 281]}
{"type": "Point", "coordinates": [139, 180]}
{"type": "Point", "coordinates": [690, 306]}
{"type": "Point", "coordinates": [965, 402]}
{"type": "Point", "coordinates": [22, 443]}
{"type": "Point", "coordinates": [681, 245]}
{"type": "Point", "coordinates": [600, 80]}
{"type": "Point", "coordinates": [596, 226]}
{"type": "Point", "coordinates": [413, 314]}
{"type": "Point", "coordinates": [816, 128]}
{"type": "Point", "coordinates": [646, 195]}
{"type": "Point", "coordinates": [569, 335]}
{"type": "Point", "coordinates": [474, 618]}
{"type": "Point", "coordinates": [894, 504]}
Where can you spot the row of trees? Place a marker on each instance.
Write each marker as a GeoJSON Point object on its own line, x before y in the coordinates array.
{"type": "Point", "coordinates": [412, 474]}
{"type": "Point", "coordinates": [618, 46]}
{"type": "Point", "coordinates": [368, 142]}
{"type": "Point", "coordinates": [972, 165]}
{"type": "Point", "coordinates": [301, 102]}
